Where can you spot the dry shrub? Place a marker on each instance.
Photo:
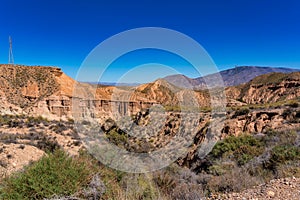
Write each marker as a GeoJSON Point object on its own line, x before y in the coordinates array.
{"type": "Point", "coordinates": [233, 181]}
{"type": "Point", "coordinates": [187, 191]}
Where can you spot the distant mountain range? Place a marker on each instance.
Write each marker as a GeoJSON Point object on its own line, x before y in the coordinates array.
{"type": "Point", "coordinates": [231, 77]}
{"type": "Point", "coordinates": [114, 84]}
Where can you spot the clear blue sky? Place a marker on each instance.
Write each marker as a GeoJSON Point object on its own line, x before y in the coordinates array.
{"type": "Point", "coordinates": [234, 32]}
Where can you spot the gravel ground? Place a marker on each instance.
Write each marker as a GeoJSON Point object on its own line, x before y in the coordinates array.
{"type": "Point", "coordinates": [279, 189]}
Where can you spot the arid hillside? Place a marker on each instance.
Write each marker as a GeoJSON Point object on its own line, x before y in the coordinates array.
{"type": "Point", "coordinates": [258, 141]}
{"type": "Point", "coordinates": [38, 90]}
{"type": "Point", "coordinates": [264, 89]}
{"type": "Point", "coordinates": [29, 88]}
{"type": "Point", "coordinates": [269, 88]}
{"type": "Point", "coordinates": [47, 91]}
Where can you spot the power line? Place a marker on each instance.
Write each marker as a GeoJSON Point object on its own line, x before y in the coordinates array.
{"type": "Point", "coordinates": [10, 52]}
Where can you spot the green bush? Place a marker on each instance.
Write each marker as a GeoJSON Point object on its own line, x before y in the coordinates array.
{"type": "Point", "coordinates": [242, 149]}
{"type": "Point", "coordinates": [216, 170]}
{"type": "Point", "coordinates": [5, 119]}
{"type": "Point", "coordinates": [119, 139]}
{"type": "Point", "coordinates": [37, 120]}
{"type": "Point", "coordinates": [284, 153]}
{"type": "Point", "coordinates": [54, 174]}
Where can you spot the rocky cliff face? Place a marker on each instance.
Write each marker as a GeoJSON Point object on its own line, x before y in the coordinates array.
{"type": "Point", "coordinates": [48, 91]}
{"type": "Point", "coordinates": [242, 118]}
{"type": "Point", "coordinates": [271, 88]}
{"type": "Point", "coordinates": [268, 88]}
{"type": "Point", "coordinates": [24, 86]}
{"type": "Point", "coordinates": [31, 89]}
{"type": "Point", "coordinates": [261, 120]}
{"type": "Point", "coordinates": [164, 129]}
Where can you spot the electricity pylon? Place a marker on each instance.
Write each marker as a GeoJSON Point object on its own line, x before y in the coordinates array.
{"type": "Point", "coordinates": [10, 52]}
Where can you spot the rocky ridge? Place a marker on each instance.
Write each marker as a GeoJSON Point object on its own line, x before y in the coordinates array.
{"type": "Point", "coordinates": [47, 91]}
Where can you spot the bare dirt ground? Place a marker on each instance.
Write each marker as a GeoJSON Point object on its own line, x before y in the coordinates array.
{"type": "Point", "coordinates": [24, 140]}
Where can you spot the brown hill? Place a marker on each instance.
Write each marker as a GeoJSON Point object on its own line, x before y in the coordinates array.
{"type": "Point", "coordinates": [268, 88]}
{"type": "Point", "coordinates": [49, 92]}
{"type": "Point", "coordinates": [33, 89]}
{"type": "Point", "coordinates": [24, 86]}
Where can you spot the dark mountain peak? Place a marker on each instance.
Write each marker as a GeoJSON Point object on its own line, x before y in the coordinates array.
{"type": "Point", "coordinates": [243, 74]}
{"type": "Point", "coordinates": [231, 77]}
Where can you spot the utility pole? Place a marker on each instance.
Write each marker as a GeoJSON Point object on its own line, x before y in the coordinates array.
{"type": "Point", "coordinates": [10, 52]}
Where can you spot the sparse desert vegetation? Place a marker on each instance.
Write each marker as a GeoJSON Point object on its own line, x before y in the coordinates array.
{"type": "Point", "coordinates": [260, 157]}
{"type": "Point", "coordinates": [235, 163]}
{"type": "Point", "coordinates": [43, 157]}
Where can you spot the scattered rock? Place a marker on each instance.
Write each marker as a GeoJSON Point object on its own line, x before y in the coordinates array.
{"type": "Point", "coordinates": [279, 189]}
{"type": "Point", "coordinates": [270, 193]}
